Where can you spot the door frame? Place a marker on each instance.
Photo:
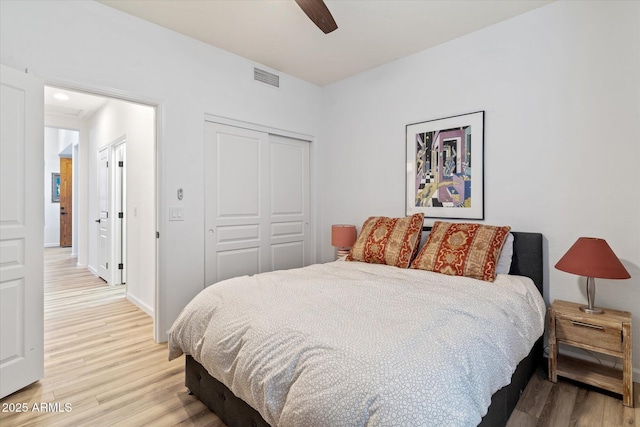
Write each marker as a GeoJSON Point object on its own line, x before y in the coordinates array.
{"type": "Point", "coordinates": [119, 199]}
{"type": "Point", "coordinates": [74, 202]}
{"type": "Point", "coordinates": [158, 104]}
{"type": "Point", "coordinates": [116, 234]}
{"type": "Point", "coordinates": [257, 127]}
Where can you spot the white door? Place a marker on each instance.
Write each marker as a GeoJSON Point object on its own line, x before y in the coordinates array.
{"type": "Point", "coordinates": [256, 202]}
{"type": "Point", "coordinates": [21, 230]}
{"type": "Point", "coordinates": [104, 222]}
{"type": "Point", "coordinates": [289, 208]}
{"type": "Point", "coordinates": [235, 212]}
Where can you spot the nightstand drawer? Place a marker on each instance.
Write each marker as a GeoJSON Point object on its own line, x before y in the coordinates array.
{"type": "Point", "coordinates": [604, 337]}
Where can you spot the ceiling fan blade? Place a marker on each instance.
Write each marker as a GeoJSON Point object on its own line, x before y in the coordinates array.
{"type": "Point", "coordinates": [319, 13]}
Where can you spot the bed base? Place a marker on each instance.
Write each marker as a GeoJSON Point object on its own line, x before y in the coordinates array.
{"type": "Point", "coordinates": [235, 412]}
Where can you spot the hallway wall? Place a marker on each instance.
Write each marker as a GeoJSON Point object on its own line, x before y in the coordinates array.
{"type": "Point", "coordinates": [137, 123]}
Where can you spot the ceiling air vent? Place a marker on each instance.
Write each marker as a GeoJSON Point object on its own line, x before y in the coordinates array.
{"type": "Point", "coordinates": [266, 77]}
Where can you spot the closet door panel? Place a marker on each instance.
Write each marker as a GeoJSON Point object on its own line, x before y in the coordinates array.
{"type": "Point", "coordinates": [285, 256]}
{"type": "Point", "coordinates": [289, 213]}
{"type": "Point", "coordinates": [235, 207]}
{"type": "Point", "coordinates": [238, 176]}
{"type": "Point", "coordinates": [238, 262]}
{"type": "Point", "coordinates": [287, 177]}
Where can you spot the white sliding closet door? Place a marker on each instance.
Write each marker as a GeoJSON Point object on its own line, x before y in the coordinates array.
{"type": "Point", "coordinates": [256, 202]}
{"type": "Point", "coordinates": [289, 209]}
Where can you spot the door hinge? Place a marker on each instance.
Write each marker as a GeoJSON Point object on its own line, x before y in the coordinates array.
{"type": "Point", "coordinates": [120, 214]}
{"type": "Point", "coordinates": [106, 265]}
{"type": "Point", "coordinates": [157, 234]}
{"type": "Point", "coordinates": [120, 266]}
{"type": "Point", "coordinates": [120, 163]}
{"type": "Point", "coordinates": [107, 163]}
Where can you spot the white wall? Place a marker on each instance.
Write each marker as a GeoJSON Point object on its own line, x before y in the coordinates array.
{"type": "Point", "coordinates": [561, 90]}
{"type": "Point", "coordinates": [66, 140]}
{"type": "Point", "coordinates": [92, 46]}
{"type": "Point", "coordinates": [137, 123]}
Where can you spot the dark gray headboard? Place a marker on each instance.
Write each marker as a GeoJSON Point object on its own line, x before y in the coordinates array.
{"type": "Point", "coordinates": [527, 257]}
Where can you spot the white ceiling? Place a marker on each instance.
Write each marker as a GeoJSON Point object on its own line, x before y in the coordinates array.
{"type": "Point", "coordinates": [276, 33]}
{"type": "Point", "coordinates": [78, 105]}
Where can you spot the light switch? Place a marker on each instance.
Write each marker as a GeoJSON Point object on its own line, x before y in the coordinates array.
{"type": "Point", "coordinates": [175, 213]}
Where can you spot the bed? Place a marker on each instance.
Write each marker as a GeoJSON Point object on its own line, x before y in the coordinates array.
{"type": "Point", "coordinates": [242, 382]}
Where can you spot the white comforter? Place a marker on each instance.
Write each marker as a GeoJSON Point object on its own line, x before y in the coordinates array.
{"type": "Point", "coordinates": [354, 344]}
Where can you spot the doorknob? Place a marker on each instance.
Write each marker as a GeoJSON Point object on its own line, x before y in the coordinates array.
{"type": "Point", "coordinates": [97, 220]}
{"type": "Point", "coordinates": [63, 213]}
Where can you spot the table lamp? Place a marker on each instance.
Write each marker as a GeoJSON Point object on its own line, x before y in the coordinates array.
{"type": "Point", "coordinates": [592, 257]}
{"type": "Point", "coordinates": [343, 236]}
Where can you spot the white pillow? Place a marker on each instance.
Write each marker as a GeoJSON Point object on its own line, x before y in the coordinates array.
{"type": "Point", "coordinates": [504, 262]}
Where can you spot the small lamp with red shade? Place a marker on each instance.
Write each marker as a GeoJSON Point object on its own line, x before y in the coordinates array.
{"type": "Point", "coordinates": [592, 257]}
{"type": "Point", "coordinates": [343, 236]}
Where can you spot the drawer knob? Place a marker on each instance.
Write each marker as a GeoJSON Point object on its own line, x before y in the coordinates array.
{"type": "Point", "coordinates": [587, 325]}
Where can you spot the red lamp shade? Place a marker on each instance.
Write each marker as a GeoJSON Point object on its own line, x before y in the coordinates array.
{"type": "Point", "coordinates": [343, 236]}
{"type": "Point", "coordinates": [592, 257]}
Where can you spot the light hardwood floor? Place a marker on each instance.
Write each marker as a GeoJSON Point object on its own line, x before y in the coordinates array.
{"type": "Point", "coordinates": [100, 359]}
{"type": "Point", "coordinates": [565, 403]}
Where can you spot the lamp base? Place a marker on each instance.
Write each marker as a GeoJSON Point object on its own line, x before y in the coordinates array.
{"type": "Point", "coordinates": [593, 310]}
{"type": "Point", "coordinates": [343, 252]}
{"type": "Point", "coordinates": [591, 296]}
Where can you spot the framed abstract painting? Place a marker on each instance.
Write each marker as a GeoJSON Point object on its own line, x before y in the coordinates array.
{"type": "Point", "coordinates": [445, 167]}
{"type": "Point", "coordinates": [55, 187]}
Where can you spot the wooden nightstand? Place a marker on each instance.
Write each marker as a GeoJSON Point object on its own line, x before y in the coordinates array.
{"type": "Point", "coordinates": [607, 333]}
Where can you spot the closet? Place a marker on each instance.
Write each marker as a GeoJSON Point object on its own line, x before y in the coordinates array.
{"type": "Point", "coordinates": [256, 202]}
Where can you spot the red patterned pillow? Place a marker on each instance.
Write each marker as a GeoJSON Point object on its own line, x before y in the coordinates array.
{"type": "Point", "coordinates": [391, 241]}
{"type": "Point", "coordinates": [470, 250]}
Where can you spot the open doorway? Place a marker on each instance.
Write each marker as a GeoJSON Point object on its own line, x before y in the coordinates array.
{"type": "Point", "coordinates": [124, 193]}
{"type": "Point", "coordinates": [58, 186]}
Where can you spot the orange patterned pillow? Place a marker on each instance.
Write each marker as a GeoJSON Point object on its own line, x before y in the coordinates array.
{"type": "Point", "coordinates": [391, 241]}
{"type": "Point", "coordinates": [470, 250]}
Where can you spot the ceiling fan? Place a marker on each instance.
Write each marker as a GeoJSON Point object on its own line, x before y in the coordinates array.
{"type": "Point", "coordinates": [319, 13]}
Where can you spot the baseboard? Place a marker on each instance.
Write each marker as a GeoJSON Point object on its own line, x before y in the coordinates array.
{"type": "Point", "coordinates": [52, 245]}
{"type": "Point", "coordinates": [78, 265]}
{"type": "Point", "coordinates": [141, 305]}
{"type": "Point", "coordinates": [93, 270]}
